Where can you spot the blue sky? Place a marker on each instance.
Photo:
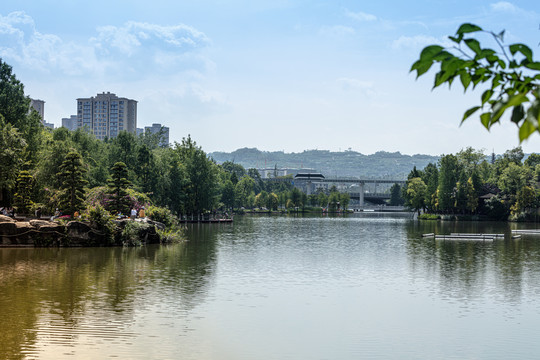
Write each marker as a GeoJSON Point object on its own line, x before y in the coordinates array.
{"type": "Point", "coordinates": [276, 75]}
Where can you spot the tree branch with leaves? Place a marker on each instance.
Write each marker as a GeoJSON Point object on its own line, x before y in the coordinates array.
{"type": "Point", "coordinates": [511, 74]}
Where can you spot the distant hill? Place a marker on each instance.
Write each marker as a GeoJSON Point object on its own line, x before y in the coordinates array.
{"type": "Point", "coordinates": [382, 164]}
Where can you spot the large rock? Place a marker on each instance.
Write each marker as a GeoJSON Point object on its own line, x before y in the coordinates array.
{"type": "Point", "coordinates": [82, 234]}
{"type": "Point", "coordinates": [4, 218]}
{"type": "Point", "coordinates": [42, 233]}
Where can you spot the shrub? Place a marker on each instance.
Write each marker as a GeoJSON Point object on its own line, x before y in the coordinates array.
{"type": "Point", "coordinates": [101, 220]}
{"type": "Point", "coordinates": [162, 215]}
{"type": "Point", "coordinates": [131, 233]}
{"type": "Point", "coordinates": [169, 236]}
{"type": "Point", "coordinates": [429, 217]}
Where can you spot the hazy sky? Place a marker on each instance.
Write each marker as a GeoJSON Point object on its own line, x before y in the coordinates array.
{"type": "Point", "coordinates": [276, 75]}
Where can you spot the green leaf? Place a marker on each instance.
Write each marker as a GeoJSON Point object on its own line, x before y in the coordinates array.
{"type": "Point", "coordinates": [484, 119]}
{"type": "Point", "coordinates": [524, 49]}
{"type": "Point", "coordinates": [465, 79]}
{"type": "Point", "coordinates": [469, 112]}
{"type": "Point", "coordinates": [486, 96]}
{"type": "Point", "coordinates": [533, 65]}
{"type": "Point", "coordinates": [430, 51]}
{"type": "Point", "coordinates": [421, 67]}
{"type": "Point", "coordinates": [443, 55]}
{"type": "Point", "coordinates": [500, 36]}
{"type": "Point", "coordinates": [516, 100]}
{"type": "Point", "coordinates": [474, 45]}
{"type": "Point", "coordinates": [518, 114]}
{"type": "Point", "coordinates": [438, 79]}
{"type": "Point", "coordinates": [454, 39]}
{"type": "Point", "coordinates": [525, 130]}
{"type": "Point", "coordinates": [468, 28]}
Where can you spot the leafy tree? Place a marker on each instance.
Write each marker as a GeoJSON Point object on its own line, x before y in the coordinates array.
{"type": "Point", "coordinates": [123, 149]}
{"type": "Point", "coordinates": [296, 197]}
{"type": "Point", "coordinates": [250, 204]}
{"type": "Point", "coordinates": [233, 168]}
{"type": "Point", "coordinates": [532, 160]}
{"type": "Point", "coordinates": [431, 179]}
{"type": "Point", "coordinates": [323, 200]}
{"type": "Point", "coordinates": [416, 194]}
{"type": "Point", "coordinates": [260, 199]}
{"type": "Point", "coordinates": [23, 197]}
{"type": "Point", "coordinates": [145, 168]}
{"type": "Point", "coordinates": [514, 155]}
{"type": "Point", "coordinates": [13, 103]}
{"type": "Point", "coordinates": [395, 196]}
{"type": "Point", "coordinates": [255, 175]}
{"type": "Point", "coordinates": [344, 199]}
{"type": "Point", "coordinates": [526, 200]}
{"type": "Point", "coordinates": [471, 195]}
{"type": "Point", "coordinates": [334, 201]}
{"type": "Point", "coordinates": [448, 177]}
{"type": "Point", "coordinates": [117, 187]}
{"type": "Point", "coordinates": [201, 184]}
{"type": "Point", "coordinates": [175, 197]}
{"type": "Point", "coordinates": [303, 200]}
{"type": "Point", "coordinates": [514, 178]}
{"type": "Point", "coordinates": [227, 194]}
{"type": "Point", "coordinates": [414, 173]}
{"type": "Point", "coordinates": [243, 190]}
{"type": "Point", "coordinates": [512, 76]}
{"type": "Point", "coordinates": [71, 175]}
{"type": "Point", "coordinates": [460, 193]}
{"type": "Point", "coordinates": [272, 202]}
{"type": "Point", "coordinates": [11, 155]}
{"type": "Point", "coordinates": [313, 200]}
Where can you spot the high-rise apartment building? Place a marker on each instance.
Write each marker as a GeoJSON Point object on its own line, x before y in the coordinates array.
{"type": "Point", "coordinates": [39, 106]}
{"type": "Point", "coordinates": [106, 115]}
{"type": "Point", "coordinates": [70, 123]}
{"type": "Point", "coordinates": [158, 129]}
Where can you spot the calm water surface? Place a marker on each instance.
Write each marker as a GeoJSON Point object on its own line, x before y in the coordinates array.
{"type": "Point", "coordinates": [360, 287]}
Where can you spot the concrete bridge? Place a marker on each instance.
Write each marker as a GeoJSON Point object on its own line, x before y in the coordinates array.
{"type": "Point", "coordinates": [359, 189]}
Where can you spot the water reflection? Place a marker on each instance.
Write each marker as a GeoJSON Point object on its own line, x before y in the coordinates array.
{"type": "Point", "coordinates": [61, 295]}
{"type": "Point", "coordinates": [278, 287]}
{"type": "Point", "coordinates": [467, 270]}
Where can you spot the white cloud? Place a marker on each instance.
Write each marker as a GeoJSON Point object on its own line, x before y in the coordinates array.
{"type": "Point", "coordinates": [22, 43]}
{"type": "Point", "coordinates": [128, 51]}
{"type": "Point", "coordinates": [133, 37]}
{"type": "Point", "coordinates": [504, 6]}
{"type": "Point", "coordinates": [360, 16]}
{"type": "Point", "coordinates": [418, 41]}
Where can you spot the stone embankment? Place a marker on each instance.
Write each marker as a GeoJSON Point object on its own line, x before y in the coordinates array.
{"type": "Point", "coordinates": [44, 233]}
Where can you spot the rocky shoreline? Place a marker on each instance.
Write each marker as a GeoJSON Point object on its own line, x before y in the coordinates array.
{"type": "Point", "coordinates": [44, 233]}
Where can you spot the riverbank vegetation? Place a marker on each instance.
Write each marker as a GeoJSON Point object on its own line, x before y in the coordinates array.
{"type": "Point", "coordinates": [470, 184]}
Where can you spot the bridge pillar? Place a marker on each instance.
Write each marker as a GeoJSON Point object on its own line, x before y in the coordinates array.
{"type": "Point", "coordinates": [361, 193]}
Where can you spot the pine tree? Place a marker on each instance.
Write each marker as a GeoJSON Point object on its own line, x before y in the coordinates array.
{"type": "Point", "coordinates": [72, 183]}
{"type": "Point", "coordinates": [22, 200]}
{"type": "Point", "coordinates": [117, 187]}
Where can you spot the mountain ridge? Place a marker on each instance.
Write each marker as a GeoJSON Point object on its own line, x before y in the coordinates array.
{"type": "Point", "coordinates": [381, 164]}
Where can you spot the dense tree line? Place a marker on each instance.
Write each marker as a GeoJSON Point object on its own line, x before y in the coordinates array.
{"type": "Point", "coordinates": [72, 170]}
{"type": "Point", "coordinates": [469, 183]}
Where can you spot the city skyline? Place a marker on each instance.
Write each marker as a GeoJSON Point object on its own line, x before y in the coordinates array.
{"type": "Point", "coordinates": [286, 75]}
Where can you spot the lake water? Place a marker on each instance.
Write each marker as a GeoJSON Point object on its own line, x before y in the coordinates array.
{"type": "Point", "coordinates": [357, 287]}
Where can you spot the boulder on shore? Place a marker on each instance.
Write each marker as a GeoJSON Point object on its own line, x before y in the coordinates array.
{"type": "Point", "coordinates": [44, 233]}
